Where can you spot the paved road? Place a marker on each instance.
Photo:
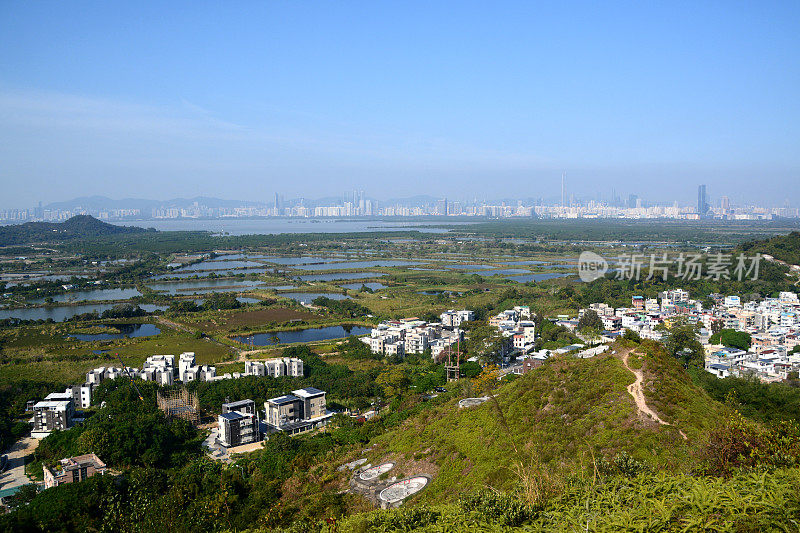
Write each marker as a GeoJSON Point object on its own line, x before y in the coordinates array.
{"type": "Point", "coordinates": [15, 475]}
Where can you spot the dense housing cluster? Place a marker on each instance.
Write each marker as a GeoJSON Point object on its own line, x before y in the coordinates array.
{"type": "Point", "coordinates": [772, 326]}
{"type": "Point", "coordinates": [412, 335]}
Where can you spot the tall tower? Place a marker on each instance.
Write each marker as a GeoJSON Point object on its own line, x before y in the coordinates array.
{"type": "Point", "coordinates": [563, 189]}
{"type": "Point", "coordinates": [702, 201]}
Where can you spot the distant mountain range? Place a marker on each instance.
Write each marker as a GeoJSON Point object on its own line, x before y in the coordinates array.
{"type": "Point", "coordinates": [76, 227]}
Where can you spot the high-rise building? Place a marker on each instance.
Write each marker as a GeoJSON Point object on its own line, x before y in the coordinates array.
{"type": "Point", "coordinates": [563, 189]}
{"type": "Point", "coordinates": [702, 200]}
{"type": "Point", "coordinates": [725, 203]}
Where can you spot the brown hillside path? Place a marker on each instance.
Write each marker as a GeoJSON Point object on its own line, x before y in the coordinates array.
{"type": "Point", "coordinates": [637, 392]}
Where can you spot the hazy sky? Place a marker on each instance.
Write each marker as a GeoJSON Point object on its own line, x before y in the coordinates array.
{"type": "Point", "coordinates": [491, 99]}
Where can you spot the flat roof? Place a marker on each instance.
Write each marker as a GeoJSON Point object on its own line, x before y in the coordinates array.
{"type": "Point", "coordinates": [52, 403]}
{"type": "Point", "coordinates": [238, 403]}
{"type": "Point", "coordinates": [231, 416]}
{"type": "Point", "coordinates": [281, 400]}
{"type": "Point", "coordinates": [308, 392]}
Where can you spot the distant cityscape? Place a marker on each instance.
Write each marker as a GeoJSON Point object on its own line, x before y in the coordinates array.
{"type": "Point", "coordinates": [357, 204]}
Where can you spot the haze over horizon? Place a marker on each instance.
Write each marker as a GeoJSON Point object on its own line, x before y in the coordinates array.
{"type": "Point", "coordinates": [239, 101]}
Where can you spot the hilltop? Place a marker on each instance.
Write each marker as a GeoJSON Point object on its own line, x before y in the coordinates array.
{"type": "Point", "coordinates": [784, 248]}
{"type": "Point", "coordinates": [79, 226]}
{"type": "Point", "coordinates": [561, 417]}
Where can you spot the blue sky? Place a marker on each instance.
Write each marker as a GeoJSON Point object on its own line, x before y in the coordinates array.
{"type": "Point", "coordinates": [464, 99]}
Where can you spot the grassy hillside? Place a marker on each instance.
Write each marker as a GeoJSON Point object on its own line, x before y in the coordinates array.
{"type": "Point", "coordinates": [786, 247]}
{"type": "Point", "coordinates": [651, 502]}
{"type": "Point", "coordinates": [556, 421]}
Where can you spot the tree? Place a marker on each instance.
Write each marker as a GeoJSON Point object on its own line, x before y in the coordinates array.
{"type": "Point", "coordinates": [24, 495]}
{"type": "Point", "coordinates": [393, 381]}
{"type": "Point", "coordinates": [590, 319]}
{"type": "Point", "coordinates": [486, 343]}
{"type": "Point", "coordinates": [682, 343]}
{"type": "Point", "coordinates": [732, 338]}
{"type": "Point", "coordinates": [487, 380]}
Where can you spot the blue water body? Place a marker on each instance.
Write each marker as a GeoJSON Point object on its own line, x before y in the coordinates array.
{"type": "Point", "coordinates": [218, 265]}
{"type": "Point", "coordinates": [92, 295]}
{"type": "Point", "coordinates": [302, 260]}
{"type": "Point", "coordinates": [357, 264]}
{"type": "Point", "coordinates": [340, 276]}
{"type": "Point", "coordinates": [126, 331]}
{"type": "Point", "coordinates": [303, 335]}
{"type": "Point", "coordinates": [375, 286]}
{"type": "Point", "coordinates": [181, 275]}
{"type": "Point", "coordinates": [307, 297]}
{"type": "Point", "coordinates": [61, 313]}
{"type": "Point", "coordinates": [204, 285]}
{"type": "Point", "coordinates": [537, 277]}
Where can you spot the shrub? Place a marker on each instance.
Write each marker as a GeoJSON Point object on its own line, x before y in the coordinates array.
{"type": "Point", "coordinates": [742, 444]}
{"type": "Point", "coordinates": [622, 464]}
{"type": "Point", "coordinates": [501, 508]}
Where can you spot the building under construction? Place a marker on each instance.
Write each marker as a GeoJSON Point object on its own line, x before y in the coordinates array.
{"type": "Point", "coordinates": [179, 404]}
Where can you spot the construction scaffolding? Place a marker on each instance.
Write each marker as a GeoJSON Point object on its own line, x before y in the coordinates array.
{"type": "Point", "coordinates": [453, 365]}
{"type": "Point", "coordinates": [179, 404]}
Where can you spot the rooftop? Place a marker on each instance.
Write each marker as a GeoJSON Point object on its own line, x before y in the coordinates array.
{"type": "Point", "coordinates": [281, 400]}
{"type": "Point", "coordinates": [308, 392]}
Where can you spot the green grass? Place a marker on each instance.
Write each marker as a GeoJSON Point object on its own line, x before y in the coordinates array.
{"type": "Point", "coordinates": [661, 502]}
{"type": "Point", "coordinates": [42, 353]}
{"type": "Point", "coordinates": [564, 415]}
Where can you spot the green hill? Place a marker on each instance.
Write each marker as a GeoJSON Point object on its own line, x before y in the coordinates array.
{"type": "Point", "coordinates": [565, 448]}
{"type": "Point", "coordinates": [80, 226]}
{"type": "Point", "coordinates": [786, 247]}
{"type": "Point", "coordinates": [560, 418]}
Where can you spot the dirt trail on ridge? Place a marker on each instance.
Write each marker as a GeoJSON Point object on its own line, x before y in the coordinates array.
{"type": "Point", "coordinates": [636, 390]}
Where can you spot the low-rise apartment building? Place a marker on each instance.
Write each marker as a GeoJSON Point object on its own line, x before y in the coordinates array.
{"type": "Point", "coordinates": [285, 366]}
{"type": "Point", "coordinates": [302, 410]}
{"type": "Point", "coordinates": [73, 470]}
{"type": "Point", "coordinates": [238, 424]}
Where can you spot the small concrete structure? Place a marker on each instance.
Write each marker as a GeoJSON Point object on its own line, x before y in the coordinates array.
{"type": "Point", "coordinates": [376, 471]}
{"type": "Point", "coordinates": [394, 494]}
{"type": "Point", "coordinates": [352, 465]}
{"type": "Point", "coordinates": [471, 402]}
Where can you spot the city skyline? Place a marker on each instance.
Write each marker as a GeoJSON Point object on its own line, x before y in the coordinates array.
{"type": "Point", "coordinates": [357, 203]}
{"type": "Point", "coordinates": [240, 101]}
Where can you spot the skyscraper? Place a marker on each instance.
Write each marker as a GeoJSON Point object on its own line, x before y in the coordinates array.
{"type": "Point", "coordinates": [702, 201]}
{"type": "Point", "coordinates": [563, 190]}
{"type": "Point", "coordinates": [725, 203]}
